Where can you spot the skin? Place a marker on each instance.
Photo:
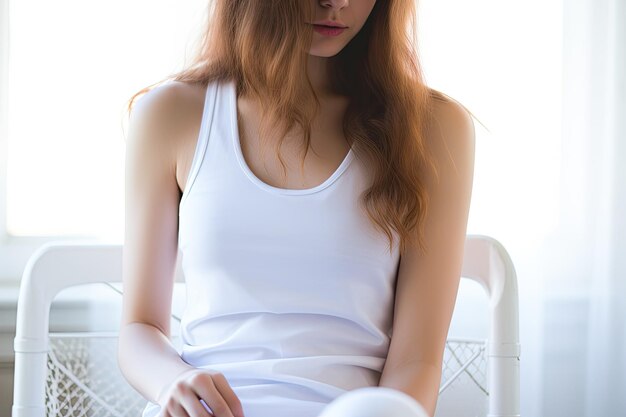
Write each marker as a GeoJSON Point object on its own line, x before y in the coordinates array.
{"type": "Point", "coordinates": [353, 14]}
{"type": "Point", "coordinates": [163, 131]}
{"type": "Point", "coordinates": [328, 142]}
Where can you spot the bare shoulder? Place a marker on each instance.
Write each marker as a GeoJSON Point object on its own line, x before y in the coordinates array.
{"type": "Point", "coordinates": [167, 120]}
{"type": "Point", "coordinates": [451, 134]}
{"type": "Point", "coordinates": [171, 99]}
{"type": "Point", "coordinates": [166, 114]}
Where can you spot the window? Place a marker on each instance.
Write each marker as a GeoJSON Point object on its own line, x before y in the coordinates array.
{"type": "Point", "coordinates": [68, 69]}
{"type": "Point", "coordinates": [503, 62]}
{"type": "Point", "coordinates": [69, 80]}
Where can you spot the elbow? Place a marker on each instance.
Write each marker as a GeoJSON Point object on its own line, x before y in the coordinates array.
{"type": "Point", "coordinates": [419, 380]}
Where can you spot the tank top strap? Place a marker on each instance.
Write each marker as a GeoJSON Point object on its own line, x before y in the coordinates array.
{"type": "Point", "coordinates": [202, 140]}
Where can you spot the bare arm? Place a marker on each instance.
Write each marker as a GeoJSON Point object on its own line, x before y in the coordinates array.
{"type": "Point", "coordinates": [428, 283]}
{"type": "Point", "coordinates": [146, 356]}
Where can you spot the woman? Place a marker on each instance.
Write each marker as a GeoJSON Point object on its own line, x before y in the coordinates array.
{"type": "Point", "coordinates": [318, 283]}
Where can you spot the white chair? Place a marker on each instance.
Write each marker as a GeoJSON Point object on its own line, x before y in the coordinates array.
{"type": "Point", "coordinates": [73, 373]}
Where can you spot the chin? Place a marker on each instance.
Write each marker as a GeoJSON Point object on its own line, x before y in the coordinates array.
{"type": "Point", "coordinates": [324, 52]}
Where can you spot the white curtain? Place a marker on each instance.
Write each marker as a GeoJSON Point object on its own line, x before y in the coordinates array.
{"type": "Point", "coordinates": [549, 80]}
{"type": "Point", "coordinates": [583, 338]}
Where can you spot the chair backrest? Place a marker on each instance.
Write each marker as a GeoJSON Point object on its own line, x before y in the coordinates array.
{"type": "Point", "coordinates": [65, 373]}
{"type": "Point", "coordinates": [486, 262]}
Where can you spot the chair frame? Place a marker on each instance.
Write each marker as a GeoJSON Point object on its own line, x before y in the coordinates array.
{"type": "Point", "coordinates": [62, 264]}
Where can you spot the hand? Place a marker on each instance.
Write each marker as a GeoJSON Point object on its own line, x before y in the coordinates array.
{"type": "Point", "coordinates": [182, 397]}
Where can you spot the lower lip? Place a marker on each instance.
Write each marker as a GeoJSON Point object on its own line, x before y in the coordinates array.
{"type": "Point", "coordinates": [328, 31]}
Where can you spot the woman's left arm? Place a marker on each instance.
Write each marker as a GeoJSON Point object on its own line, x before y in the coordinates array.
{"type": "Point", "coordinates": [427, 283]}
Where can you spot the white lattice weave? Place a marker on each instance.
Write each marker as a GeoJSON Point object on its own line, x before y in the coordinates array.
{"type": "Point", "coordinates": [463, 390]}
{"type": "Point", "coordinates": [84, 379]}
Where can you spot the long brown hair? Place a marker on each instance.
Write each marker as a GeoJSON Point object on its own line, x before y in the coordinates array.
{"type": "Point", "coordinates": [390, 105]}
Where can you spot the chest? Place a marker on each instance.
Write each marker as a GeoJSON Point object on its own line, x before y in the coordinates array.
{"type": "Point", "coordinates": [327, 151]}
{"type": "Point", "coordinates": [293, 169]}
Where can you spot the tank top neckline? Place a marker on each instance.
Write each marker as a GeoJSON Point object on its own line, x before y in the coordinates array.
{"type": "Point", "coordinates": [232, 93]}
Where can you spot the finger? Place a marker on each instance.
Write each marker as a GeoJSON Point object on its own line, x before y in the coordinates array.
{"type": "Point", "coordinates": [228, 394]}
{"type": "Point", "coordinates": [206, 407]}
{"type": "Point", "coordinates": [192, 405]}
{"type": "Point", "coordinates": [205, 388]}
{"type": "Point", "coordinates": [174, 409]}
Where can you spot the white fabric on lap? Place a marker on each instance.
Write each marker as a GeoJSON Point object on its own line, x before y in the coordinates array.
{"type": "Point", "coordinates": [374, 402]}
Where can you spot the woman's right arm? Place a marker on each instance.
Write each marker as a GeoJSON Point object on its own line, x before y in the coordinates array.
{"type": "Point", "coordinates": [146, 356]}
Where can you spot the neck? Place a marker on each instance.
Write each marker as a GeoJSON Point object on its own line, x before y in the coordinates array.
{"type": "Point", "coordinates": [318, 74]}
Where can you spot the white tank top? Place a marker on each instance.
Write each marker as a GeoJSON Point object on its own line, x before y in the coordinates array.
{"type": "Point", "coordinates": [290, 292]}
